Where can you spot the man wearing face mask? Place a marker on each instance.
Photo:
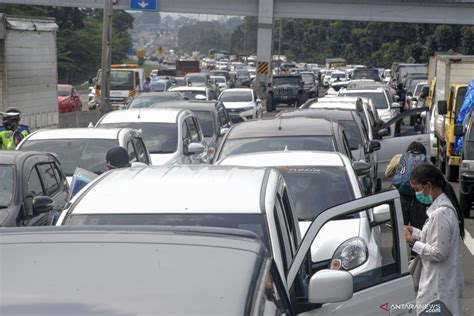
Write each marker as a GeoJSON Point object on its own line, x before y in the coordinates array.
{"type": "Point", "coordinates": [438, 243]}
{"type": "Point", "coordinates": [13, 132]}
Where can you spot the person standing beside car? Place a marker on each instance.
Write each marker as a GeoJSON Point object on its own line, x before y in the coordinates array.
{"type": "Point", "coordinates": [438, 243]}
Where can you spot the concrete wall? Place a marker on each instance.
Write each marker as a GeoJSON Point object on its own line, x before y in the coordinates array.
{"type": "Point", "coordinates": [78, 119]}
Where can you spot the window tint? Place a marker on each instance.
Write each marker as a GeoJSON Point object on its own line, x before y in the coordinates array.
{"type": "Point", "coordinates": [283, 230]}
{"type": "Point", "coordinates": [141, 150]}
{"type": "Point", "coordinates": [353, 134]}
{"type": "Point", "coordinates": [34, 188]}
{"type": "Point", "coordinates": [51, 182]}
{"type": "Point", "coordinates": [223, 117]}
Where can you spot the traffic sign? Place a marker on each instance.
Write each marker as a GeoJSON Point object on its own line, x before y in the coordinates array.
{"type": "Point", "coordinates": [144, 5]}
{"type": "Point", "coordinates": [160, 50]}
{"type": "Point", "coordinates": [262, 68]}
{"type": "Point", "coordinates": [140, 53]}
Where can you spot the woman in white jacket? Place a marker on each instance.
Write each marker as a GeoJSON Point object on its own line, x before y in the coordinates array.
{"type": "Point", "coordinates": [439, 242]}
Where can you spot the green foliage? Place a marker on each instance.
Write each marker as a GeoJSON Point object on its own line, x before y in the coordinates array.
{"type": "Point", "coordinates": [204, 35]}
{"type": "Point", "coordinates": [79, 38]}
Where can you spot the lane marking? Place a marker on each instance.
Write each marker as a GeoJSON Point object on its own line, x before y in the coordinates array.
{"type": "Point", "coordinates": [469, 241]}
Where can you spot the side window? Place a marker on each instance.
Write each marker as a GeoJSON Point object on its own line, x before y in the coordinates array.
{"type": "Point", "coordinates": [34, 188]}
{"type": "Point", "coordinates": [50, 179]}
{"type": "Point", "coordinates": [186, 135]}
{"type": "Point", "coordinates": [345, 143]}
{"type": "Point", "coordinates": [132, 155]}
{"type": "Point", "coordinates": [290, 221]}
{"type": "Point", "coordinates": [141, 151]}
{"type": "Point", "coordinates": [193, 131]}
{"type": "Point", "coordinates": [283, 234]}
{"type": "Point", "coordinates": [223, 117]}
{"type": "Point", "coordinates": [198, 129]}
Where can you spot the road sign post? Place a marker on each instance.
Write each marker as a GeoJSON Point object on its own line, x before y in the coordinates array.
{"type": "Point", "coordinates": [144, 5]}
{"type": "Point", "coordinates": [106, 57]}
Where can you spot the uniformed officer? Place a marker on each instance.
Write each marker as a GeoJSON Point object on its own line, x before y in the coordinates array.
{"type": "Point", "coordinates": [13, 133]}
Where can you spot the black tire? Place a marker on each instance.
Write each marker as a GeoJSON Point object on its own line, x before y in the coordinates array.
{"type": "Point", "coordinates": [452, 173]}
{"type": "Point", "coordinates": [270, 105]}
{"type": "Point", "coordinates": [465, 203]}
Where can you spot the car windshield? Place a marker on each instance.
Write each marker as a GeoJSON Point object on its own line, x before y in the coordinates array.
{"type": "Point", "coordinates": [147, 102]}
{"type": "Point", "coordinates": [87, 154]}
{"type": "Point", "coordinates": [196, 79]}
{"type": "Point", "coordinates": [159, 138]}
{"type": "Point", "coordinates": [378, 98]}
{"type": "Point", "coordinates": [6, 185]}
{"type": "Point", "coordinates": [206, 119]}
{"type": "Point", "coordinates": [307, 78]}
{"type": "Point", "coordinates": [121, 80]}
{"type": "Point", "coordinates": [253, 222]}
{"type": "Point", "coordinates": [253, 145]}
{"type": "Point", "coordinates": [278, 81]}
{"type": "Point", "coordinates": [236, 96]}
{"type": "Point", "coordinates": [353, 134]}
{"type": "Point", "coordinates": [315, 189]}
{"type": "Point", "coordinates": [158, 85]}
{"type": "Point", "coordinates": [219, 79]}
{"type": "Point", "coordinates": [64, 91]}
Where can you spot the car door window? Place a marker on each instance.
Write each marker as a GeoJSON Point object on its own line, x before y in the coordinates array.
{"type": "Point", "coordinates": [223, 117]}
{"type": "Point", "coordinates": [50, 180]}
{"type": "Point", "coordinates": [141, 150]}
{"type": "Point", "coordinates": [283, 234]}
{"type": "Point", "coordinates": [34, 188]}
{"type": "Point", "coordinates": [132, 155]}
{"type": "Point", "coordinates": [288, 211]}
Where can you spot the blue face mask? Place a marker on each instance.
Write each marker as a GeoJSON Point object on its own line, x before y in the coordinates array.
{"type": "Point", "coordinates": [423, 198]}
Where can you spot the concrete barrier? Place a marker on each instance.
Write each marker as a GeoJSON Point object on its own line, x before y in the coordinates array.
{"type": "Point", "coordinates": [78, 119]}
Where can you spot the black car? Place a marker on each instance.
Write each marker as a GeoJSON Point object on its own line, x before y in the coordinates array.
{"type": "Point", "coordinates": [287, 89]}
{"type": "Point", "coordinates": [32, 185]}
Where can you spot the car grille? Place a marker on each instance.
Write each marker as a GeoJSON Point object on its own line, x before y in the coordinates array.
{"type": "Point", "coordinates": [286, 91]}
{"type": "Point", "coordinates": [117, 100]}
{"type": "Point", "coordinates": [237, 110]}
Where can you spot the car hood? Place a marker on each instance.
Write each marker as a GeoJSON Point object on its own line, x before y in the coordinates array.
{"type": "Point", "coordinates": [331, 236]}
{"type": "Point", "coordinates": [162, 159]}
{"type": "Point", "coordinates": [238, 105]}
{"type": "Point", "coordinates": [286, 86]}
{"type": "Point", "coordinates": [60, 99]}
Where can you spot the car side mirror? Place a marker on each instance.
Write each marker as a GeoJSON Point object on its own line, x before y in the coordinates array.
{"type": "Point", "coordinates": [383, 132]}
{"type": "Point", "coordinates": [224, 131]}
{"type": "Point", "coordinates": [374, 145]}
{"type": "Point", "coordinates": [458, 130]}
{"type": "Point", "coordinates": [330, 286]}
{"type": "Point", "coordinates": [361, 168]}
{"type": "Point", "coordinates": [195, 149]}
{"type": "Point", "coordinates": [424, 92]}
{"type": "Point", "coordinates": [42, 204]}
{"type": "Point", "coordinates": [381, 213]}
{"type": "Point", "coordinates": [442, 107]}
{"type": "Point", "coordinates": [395, 105]}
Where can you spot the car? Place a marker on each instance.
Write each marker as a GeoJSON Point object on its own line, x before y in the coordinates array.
{"type": "Point", "coordinates": [311, 84]}
{"type": "Point", "coordinates": [416, 98]}
{"type": "Point", "coordinates": [172, 136]}
{"type": "Point", "coordinates": [287, 89]}
{"type": "Point", "coordinates": [32, 185]}
{"type": "Point", "coordinates": [197, 79]}
{"type": "Point", "coordinates": [160, 85]}
{"type": "Point", "coordinates": [213, 117]}
{"type": "Point", "coordinates": [242, 104]}
{"type": "Point", "coordinates": [69, 99]}
{"type": "Point", "coordinates": [253, 73]}
{"type": "Point", "coordinates": [145, 100]}
{"type": "Point", "coordinates": [379, 97]}
{"type": "Point", "coordinates": [85, 147]}
{"type": "Point", "coordinates": [92, 99]}
{"type": "Point", "coordinates": [195, 93]}
{"type": "Point", "coordinates": [264, 207]}
{"type": "Point", "coordinates": [222, 65]}
{"type": "Point", "coordinates": [226, 74]}
{"type": "Point", "coordinates": [243, 77]}
{"type": "Point", "coordinates": [337, 76]}
{"type": "Point", "coordinates": [366, 73]}
{"type": "Point", "coordinates": [362, 148]}
{"type": "Point", "coordinates": [299, 133]}
{"type": "Point", "coordinates": [220, 81]}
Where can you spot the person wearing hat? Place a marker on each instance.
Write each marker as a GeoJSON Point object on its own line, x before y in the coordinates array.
{"type": "Point", "coordinates": [117, 157]}
{"type": "Point", "coordinates": [13, 132]}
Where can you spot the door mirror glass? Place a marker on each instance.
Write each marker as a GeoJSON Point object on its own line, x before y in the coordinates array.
{"type": "Point", "coordinates": [224, 131]}
{"type": "Point", "coordinates": [361, 168]}
{"type": "Point", "coordinates": [42, 204]}
{"type": "Point", "coordinates": [381, 214]}
{"type": "Point", "coordinates": [195, 148]}
{"type": "Point", "coordinates": [384, 132]}
{"type": "Point", "coordinates": [330, 286]}
{"type": "Point", "coordinates": [458, 130]}
{"type": "Point", "coordinates": [442, 107]}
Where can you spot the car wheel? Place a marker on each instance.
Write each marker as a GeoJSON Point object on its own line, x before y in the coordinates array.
{"type": "Point", "coordinates": [270, 105]}
{"type": "Point", "coordinates": [465, 202]}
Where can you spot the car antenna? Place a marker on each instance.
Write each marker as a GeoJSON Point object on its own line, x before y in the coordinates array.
{"type": "Point", "coordinates": [279, 123]}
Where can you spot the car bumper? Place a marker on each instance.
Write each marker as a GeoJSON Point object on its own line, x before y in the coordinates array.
{"type": "Point", "coordinates": [237, 117]}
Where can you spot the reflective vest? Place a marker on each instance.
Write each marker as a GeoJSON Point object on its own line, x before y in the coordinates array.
{"type": "Point", "coordinates": [9, 139]}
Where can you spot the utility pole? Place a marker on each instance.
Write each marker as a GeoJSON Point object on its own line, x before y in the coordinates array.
{"type": "Point", "coordinates": [279, 39]}
{"type": "Point", "coordinates": [106, 57]}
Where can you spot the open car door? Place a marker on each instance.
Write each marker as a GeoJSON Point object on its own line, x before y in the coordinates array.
{"type": "Point", "coordinates": [401, 131]}
{"type": "Point", "coordinates": [382, 288]}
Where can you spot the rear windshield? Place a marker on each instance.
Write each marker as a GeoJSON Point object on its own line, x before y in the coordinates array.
{"type": "Point", "coordinates": [378, 98]}
{"type": "Point", "coordinates": [159, 138]}
{"type": "Point", "coordinates": [253, 222]}
{"type": "Point", "coordinates": [253, 145]}
{"type": "Point", "coordinates": [366, 74]}
{"type": "Point", "coordinates": [315, 189]}
{"type": "Point", "coordinates": [88, 154]}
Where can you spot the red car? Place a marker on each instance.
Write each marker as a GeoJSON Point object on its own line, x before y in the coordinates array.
{"type": "Point", "coordinates": [68, 99]}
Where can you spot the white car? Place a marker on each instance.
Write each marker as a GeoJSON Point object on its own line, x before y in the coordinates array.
{"type": "Point", "coordinates": [242, 104]}
{"type": "Point", "coordinates": [318, 181]}
{"type": "Point", "coordinates": [252, 72]}
{"type": "Point", "coordinates": [195, 92]}
{"type": "Point", "coordinates": [220, 81]}
{"type": "Point", "coordinates": [337, 76]}
{"type": "Point", "coordinates": [172, 136]}
{"type": "Point", "coordinates": [254, 199]}
{"type": "Point", "coordinates": [85, 148]}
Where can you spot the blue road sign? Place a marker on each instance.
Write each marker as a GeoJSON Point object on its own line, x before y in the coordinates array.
{"type": "Point", "coordinates": [144, 5]}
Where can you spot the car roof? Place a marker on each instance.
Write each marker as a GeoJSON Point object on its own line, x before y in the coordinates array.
{"type": "Point", "coordinates": [327, 113]}
{"type": "Point", "coordinates": [136, 115]}
{"type": "Point", "coordinates": [155, 260]}
{"type": "Point", "coordinates": [238, 90]}
{"type": "Point", "coordinates": [77, 133]}
{"type": "Point", "coordinates": [174, 189]}
{"type": "Point", "coordinates": [285, 158]}
{"type": "Point", "coordinates": [188, 88]}
{"type": "Point", "coordinates": [275, 127]}
{"type": "Point", "coordinates": [12, 157]}
{"type": "Point", "coordinates": [188, 105]}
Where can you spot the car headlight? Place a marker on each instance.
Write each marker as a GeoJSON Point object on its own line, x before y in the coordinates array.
{"type": "Point", "coordinates": [467, 166]}
{"type": "Point", "coordinates": [350, 254]}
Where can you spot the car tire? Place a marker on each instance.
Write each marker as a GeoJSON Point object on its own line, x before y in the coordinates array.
{"type": "Point", "coordinates": [270, 104]}
{"type": "Point", "coordinates": [465, 202]}
{"type": "Point", "coordinates": [452, 173]}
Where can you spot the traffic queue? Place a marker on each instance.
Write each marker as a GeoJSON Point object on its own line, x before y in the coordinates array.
{"type": "Point", "coordinates": [223, 203]}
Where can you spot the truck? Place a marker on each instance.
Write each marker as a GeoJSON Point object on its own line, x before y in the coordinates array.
{"type": "Point", "coordinates": [185, 66]}
{"type": "Point", "coordinates": [447, 91]}
{"type": "Point", "coordinates": [29, 69]}
{"type": "Point", "coordinates": [334, 63]}
{"type": "Point", "coordinates": [126, 81]}
{"type": "Point", "coordinates": [401, 72]}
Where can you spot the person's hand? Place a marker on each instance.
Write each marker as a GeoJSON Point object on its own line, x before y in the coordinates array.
{"type": "Point", "coordinates": [408, 233]}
